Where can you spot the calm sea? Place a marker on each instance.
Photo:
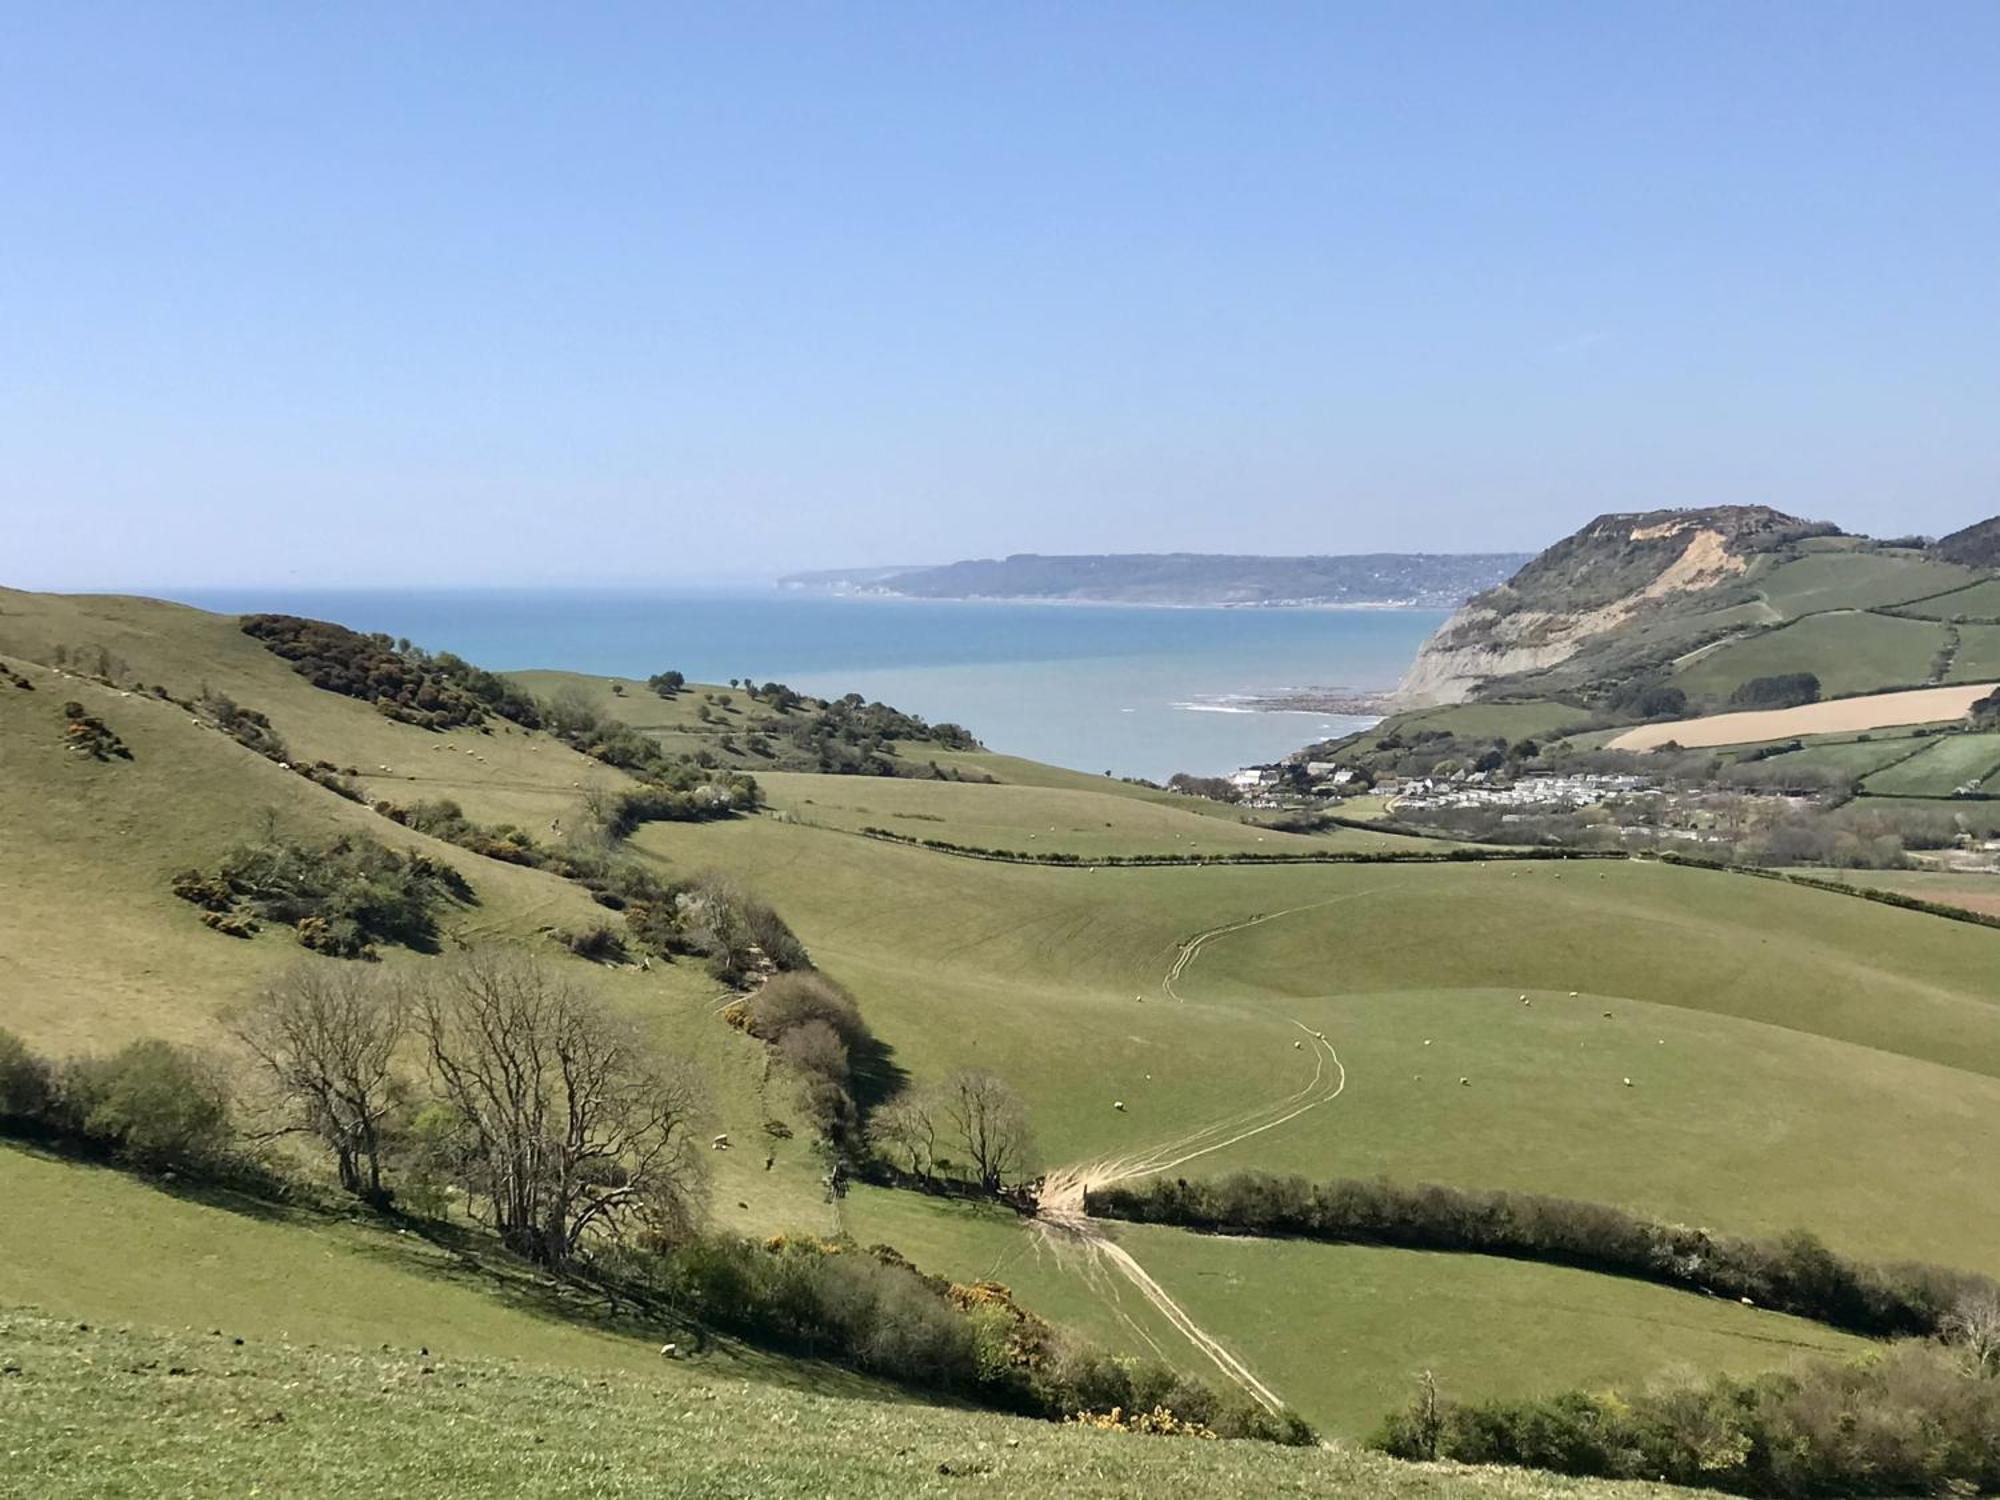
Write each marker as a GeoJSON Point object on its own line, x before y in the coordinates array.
{"type": "Point", "coordinates": [1139, 692]}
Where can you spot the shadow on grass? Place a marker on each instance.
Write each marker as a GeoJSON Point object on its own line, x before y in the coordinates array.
{"type": "Point", "coordinates": [249, 1193]}
{"type": "Point", "coordinates": [579, 1299]}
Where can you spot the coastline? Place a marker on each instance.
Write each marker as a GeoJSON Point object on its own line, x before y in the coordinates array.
{"type": "Point", "coordinates": [871, 596]}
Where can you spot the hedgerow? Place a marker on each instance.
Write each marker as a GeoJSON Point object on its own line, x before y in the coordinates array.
{"type": "Point", "coordinates": [1915, 1419]}
{"type": "Point", "coordinates": [1795, 1274]}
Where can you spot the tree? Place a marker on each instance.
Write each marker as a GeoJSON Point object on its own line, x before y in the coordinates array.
{"type": "Point", "coordinates": [1974, 1327]}
{"type": "Point", "coordinates": [907, 1128]}
{"type": "Point", "coordinates": [666, 684]}
{"type": "Point", "coordinates": [562, 1120]}
{"type": "Point", "coordinates": [987, 1119]}
{"type": "Point", "coordinates": [327, 1035]}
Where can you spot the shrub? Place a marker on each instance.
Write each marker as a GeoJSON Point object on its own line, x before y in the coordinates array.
{"type": "Point", "coordinates": [600, 944]}
{"type": "Point", "coordinates": [874, 1311]}
{"type": "Point", "coordinates": [27, 1083]}
{"type": "Point", "coordinates": [401, 680]}
{"type": "Point", "coordinates": [1908, 1420]}
{"type": "Point", "coordinates": [342, 896]}
{"type": "Point", "coordinates": [88, 735]}
{"type": "Point", "coordinates": [1784, 690]}
{"type": "Point", "coordinates": [154, 1103]}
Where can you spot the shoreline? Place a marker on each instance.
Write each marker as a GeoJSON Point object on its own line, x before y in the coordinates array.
{"type": "Point", "coordinates": [869, 596]}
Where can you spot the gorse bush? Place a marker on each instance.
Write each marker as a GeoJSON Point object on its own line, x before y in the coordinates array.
{"type": "Point", "coordinates": [341, 897]}
{"type": "Point", "coordinates": [875, 1312]}
{"type": "Point", "coordinates": [403, 682]}
{"type": "Point", "coordinates": [1914, 1419]}
{"type": "Point", "coordinates": [1795, 1274]}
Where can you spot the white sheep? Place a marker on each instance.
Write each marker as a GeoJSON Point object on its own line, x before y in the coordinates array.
{"type": "Point", "coordinates": [1118, 1104]}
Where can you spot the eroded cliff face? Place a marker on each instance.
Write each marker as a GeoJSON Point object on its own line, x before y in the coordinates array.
{"type": "Point", "coordinates": [1588, 586]}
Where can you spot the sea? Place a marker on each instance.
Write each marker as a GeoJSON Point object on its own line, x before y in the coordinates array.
{"type": "Point", "coordinates": [1130, 690]}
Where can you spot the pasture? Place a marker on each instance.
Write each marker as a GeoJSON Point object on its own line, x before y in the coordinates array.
{"type": "Point", "coordinates": [1767, 1029]}
{"type": "Point", "coordinates": [1855, 580]}
{"type": "Point", "coordinates": [100, 1414]}
{"type": "Point", "coordinates": [1949, 762]}
{"type": "Point", "coordinates": [1850, 651]}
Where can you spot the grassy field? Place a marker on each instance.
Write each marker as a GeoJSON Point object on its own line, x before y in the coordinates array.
{"type": "Point", "coordinates": [1852, 757]}
{"type": "Point", "coordinates": [1979, 602]}
{"type": "Point", "coordinates": [1977, 892]}
{"type": "Point", "coordinates": [1482, 721]}
{"type": "Point", "coordinates": [1041, 819]}
{"type": "Point", "coordinates": [1786, 1020]}
{"type": "Point", "coordinates": [1855, 580]}
{"type": "Point", "coordinates": [1978, 658]}
{"type": "Point", "coordinates": [1949, 762]}
{"type": "Point", "coordinates": [1849, 651]}
{"type": "Point", "coordinates": [1340, 1331]}
{"type": "Point", "coordinates": [116, 1415]}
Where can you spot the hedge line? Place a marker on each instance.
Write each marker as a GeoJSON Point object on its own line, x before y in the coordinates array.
{"type": "Point", "coordinates": [1795, 1274]}
{"type": "Point", "coordinates": [1243, 857]}
{"type": "Point", "coordinates": [1839, 887]}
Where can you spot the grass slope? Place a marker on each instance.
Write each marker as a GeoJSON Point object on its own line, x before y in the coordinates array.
{"type": "Point", "coordinates": [102, 1414]}
{"type": "Point", "coordinates": [1340, 1331]}
{"type": "Point", "coordinates": [1798, 1030]}
{"type": "Point", "coordinates": [1849, 651]}
{"type": "Point", "coordinates": [1042, 819]}
{"type": "Point", "coordinates": [1948, 763]}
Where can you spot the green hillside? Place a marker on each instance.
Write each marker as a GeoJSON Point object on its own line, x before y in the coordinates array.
{"type": "Point", "coordinates": [101, 1413]}
{"type": "Point", "coordinates": [1739, 1054]}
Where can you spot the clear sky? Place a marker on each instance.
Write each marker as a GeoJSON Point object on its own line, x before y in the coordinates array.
{"type": "Point", "coordinates": [458, 294]}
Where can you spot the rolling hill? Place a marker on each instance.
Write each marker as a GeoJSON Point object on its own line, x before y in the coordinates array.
{"type": "Point", "coordinates": [1790, 1053]}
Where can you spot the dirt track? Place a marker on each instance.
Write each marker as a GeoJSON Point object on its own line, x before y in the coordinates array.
{"type": "Point", "coordinates": [1063, 1223]}
{"type": "Point", "coordinates": [1840, 716]}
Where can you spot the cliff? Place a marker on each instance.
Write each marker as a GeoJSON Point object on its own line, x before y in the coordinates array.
{"type": "Point", "coordinates": [1589, 587]}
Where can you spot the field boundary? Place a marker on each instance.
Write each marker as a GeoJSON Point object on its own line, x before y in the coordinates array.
{"type": "Point", "coordinates": [1837, 887]}
{"type": "Point", "coordinates": [1468, 855]}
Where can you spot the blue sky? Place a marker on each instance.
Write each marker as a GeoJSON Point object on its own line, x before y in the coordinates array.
{"type": "Point", "coordinates": [347, 294]}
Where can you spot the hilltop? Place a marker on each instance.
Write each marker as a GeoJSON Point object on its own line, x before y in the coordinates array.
{"type": "Point", "coordinates": [1685, 595]}
{"type": "Point", "coordinates": [1432, 580]}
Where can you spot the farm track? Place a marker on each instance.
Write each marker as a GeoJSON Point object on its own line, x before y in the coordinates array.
{"type": "Point", "coordinates": [1062, 1219]}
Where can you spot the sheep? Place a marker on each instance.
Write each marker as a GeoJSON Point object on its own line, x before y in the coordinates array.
{"type": "Point", "coordinates": [1628, 1083]}
{"type": "Point", "coordinates": [1465, 1083]}
{"type": "Point", "coordinates": [1297, 1045]}
{"type": "Point", "coordinates": [720, 1143]}
{"type": "Point", "coordinates": [1119, 1105]}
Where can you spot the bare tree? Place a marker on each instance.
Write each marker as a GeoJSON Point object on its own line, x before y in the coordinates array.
{"type": "Point", "coordinates": [1973, 1326]}
{"type": "Point", "coordinates": [566, 1123]}
{"type": "Point", "coordinates": [906, 1127]}
{"type": "Point", "coordinates": [327, 1035]}
{"type": "Point", "coordinates": [987, 1118]}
